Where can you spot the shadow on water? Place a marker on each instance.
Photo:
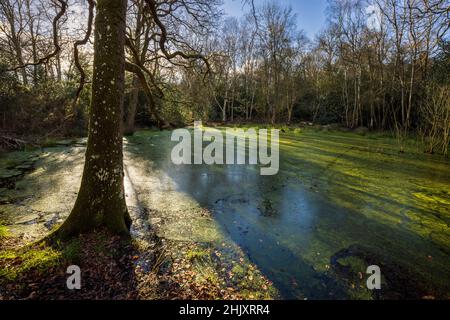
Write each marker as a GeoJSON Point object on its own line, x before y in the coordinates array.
{"type": "Point", "coordinates": [32, 203]}
{"type": "Point", "coordinates": [335, 207]}
{"type": "Point", "coordinates": [298, 236]}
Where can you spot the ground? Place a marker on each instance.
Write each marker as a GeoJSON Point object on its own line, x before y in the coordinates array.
{"type": "Point", "coordinates": [341, 202]}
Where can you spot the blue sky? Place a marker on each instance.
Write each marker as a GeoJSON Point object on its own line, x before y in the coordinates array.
{"type": "Point", "coordinates": [310, 13]}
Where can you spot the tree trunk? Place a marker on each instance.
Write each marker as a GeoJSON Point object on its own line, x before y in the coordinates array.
{"type": "Point", "coordinates": [129, 126]}
{"type": "Point", "coordinates": [290, 109]}
{"type": "Point", "coordinates": [144, 85]}
{"type": "Point", "coordinates": [33, 42]}
{"type": "Point", "coordinates": [224, 113]}
{"type": "Point", "coordinates": [101, 200]}
{"type": "Point", "coordinates": [18, 51]}
{"type": "Point", "coordinates": [224, 109]}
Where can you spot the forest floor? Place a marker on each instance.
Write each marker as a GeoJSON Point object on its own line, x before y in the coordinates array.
{"type": "Point", "coordinates": [111, 268]}
{"type": "Point", "coordinates": [279, 240]}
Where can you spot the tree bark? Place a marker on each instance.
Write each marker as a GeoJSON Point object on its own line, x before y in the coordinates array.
{"type": "Point", "coordinates": [101, 200]}
{"type": "Point", "coordinates": [130, 67]}
{"type": "Point", "coordinates": [16, 41]}
{"type": "Point", "coordinates": [33, 40]}
{"type": "Point", "coordinates": [134, 99]}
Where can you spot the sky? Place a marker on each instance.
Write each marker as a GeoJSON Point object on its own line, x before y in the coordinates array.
{"type": "Point", "coordinates": [310, 13]}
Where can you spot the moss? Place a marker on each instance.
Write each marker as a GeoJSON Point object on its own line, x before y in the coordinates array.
{"type": "Point", "coordinates": [238, 270]}
{"type": "Point", "coordinates": [207, 273]}
{"type": "Point", "coordinates": [4, 232]}
{"type": "Point", "coordinates": [72, 251]}
{"type": "Point", "coordinates": [197, 254]}
{"type": "Point", "coordinates": [15, 263]}
{"type": "Point", "coordinates": [49, 142]}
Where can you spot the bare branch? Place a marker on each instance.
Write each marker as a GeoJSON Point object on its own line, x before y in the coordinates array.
{"type": "Point", "coordinates": [56, 44]}
{"type": "Point", "coordinates": [76, 57]}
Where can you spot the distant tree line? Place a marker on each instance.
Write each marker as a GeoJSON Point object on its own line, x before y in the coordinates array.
{"type": "Point", "coordinates": [380, 64]}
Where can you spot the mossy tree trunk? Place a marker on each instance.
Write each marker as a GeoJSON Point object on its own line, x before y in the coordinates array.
{"type": "Point", "coordinates": [101, 200]}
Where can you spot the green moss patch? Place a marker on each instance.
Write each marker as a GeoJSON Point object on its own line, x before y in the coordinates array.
{"type": "Point", "coordinates": [16, 263]}
{"type": "Point", "coordinates": [3, 231]}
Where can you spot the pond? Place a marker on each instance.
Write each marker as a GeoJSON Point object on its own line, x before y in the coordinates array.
{"type": "Point", "coordinates": [339, 203]}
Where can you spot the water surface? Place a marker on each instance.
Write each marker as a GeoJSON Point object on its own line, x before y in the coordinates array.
{"type": "Point", "coordinates": [340, 202]}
